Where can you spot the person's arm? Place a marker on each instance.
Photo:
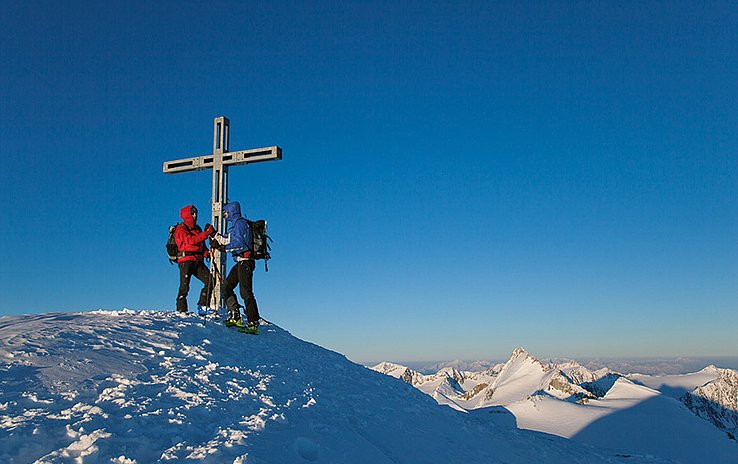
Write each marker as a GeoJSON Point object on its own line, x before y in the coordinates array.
{"type": "Point", "coordinates": [184, 239]}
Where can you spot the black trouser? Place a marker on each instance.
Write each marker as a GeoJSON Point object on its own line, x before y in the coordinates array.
{"type": "Point", "coordinates": [241, 274]}
{"type": "Point", "coordinates": [186, 270]}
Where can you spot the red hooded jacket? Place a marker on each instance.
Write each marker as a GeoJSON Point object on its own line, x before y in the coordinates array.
{"type": "Point", "coordinates": [189, 237]}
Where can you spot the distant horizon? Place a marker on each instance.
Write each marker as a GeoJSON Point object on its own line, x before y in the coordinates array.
{"type": "Point", "coordinates": [652, 366]}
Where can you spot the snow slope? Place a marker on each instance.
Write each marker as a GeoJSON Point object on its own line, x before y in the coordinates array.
{"type": "Point", "coordinates": [676, 385]}
{"type": "Point", "coordinates": [711, 393]}
{"type": "Point", "coordinates": [139, 387]}
{"type": "Point", "coordinates": [630, 418]}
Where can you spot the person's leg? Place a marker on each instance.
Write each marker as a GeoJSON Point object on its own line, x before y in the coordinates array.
{"type": "Point", "coordinates": [203, 274]}
{"type": "Point", "coordinates": [229, 296]}
{"type": "Point", "coordinates": [185, 272]}
{"type": "Point", "coordinates": [246, 281]}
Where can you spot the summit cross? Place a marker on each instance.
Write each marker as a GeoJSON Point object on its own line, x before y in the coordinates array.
{"type": "Point", "coordinates": [219, 161]}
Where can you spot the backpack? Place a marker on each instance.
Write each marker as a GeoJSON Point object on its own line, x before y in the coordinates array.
{"type": "Point", "coordinates": [172, 248]}
{"type": "Point", "coordinates": [260, 246]}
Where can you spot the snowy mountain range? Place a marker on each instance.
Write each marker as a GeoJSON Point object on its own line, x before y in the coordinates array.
{"type": "Point", "coordinates": [148, 386]}
{"type": "Point", "coordinates": [688, 418]}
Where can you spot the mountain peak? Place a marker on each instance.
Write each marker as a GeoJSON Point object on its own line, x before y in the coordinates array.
{"type": "Point", "coordinates": [521, 355]}
{"type": "Point", "coordinates": [386, 367]}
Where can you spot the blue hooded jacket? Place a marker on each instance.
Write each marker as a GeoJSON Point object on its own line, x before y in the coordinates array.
{"type": "Point", "coordinates": [239, 231]}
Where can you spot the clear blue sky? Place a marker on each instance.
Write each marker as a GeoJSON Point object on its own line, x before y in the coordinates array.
{"type": "Point", "coordinates": [458, 179]}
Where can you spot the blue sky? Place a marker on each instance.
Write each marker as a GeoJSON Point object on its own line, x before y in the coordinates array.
{"type": "Point", "coordinates": [457, 180]}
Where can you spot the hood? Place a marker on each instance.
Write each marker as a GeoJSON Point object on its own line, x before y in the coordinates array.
{"type": "Point", "coordinates": [186, 215]}
{"type": "Point", "coordinates": [234, 211]}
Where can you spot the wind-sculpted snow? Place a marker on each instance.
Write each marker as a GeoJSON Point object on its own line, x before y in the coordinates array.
{"type": "Point", "coordinates": [141, 387]}
{"type": "Point", "coordinates": [148, 385]}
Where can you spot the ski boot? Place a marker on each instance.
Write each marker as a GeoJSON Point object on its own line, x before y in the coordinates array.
{"type": "Point", "coordinates": [234, 319]}
{"type": "Point", "coordinates": [251, 328]}
{"type": "Point", "coordinates": [233, 322]}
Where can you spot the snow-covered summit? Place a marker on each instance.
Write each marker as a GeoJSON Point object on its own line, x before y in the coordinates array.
{"type": "Point", "coordinates": [149, 386]}
{"type": "Point", "coordinates": [400, 372]}
{"type": "Point", "coordinates": [522, 375]}
{"type": "Point", "coordinates": [520, 352]}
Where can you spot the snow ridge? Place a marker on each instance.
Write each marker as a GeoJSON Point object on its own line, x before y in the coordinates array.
{"type": "Point", "coordinates": [717, 400]}
{"type": "Point", "coordinates": [149, 386]}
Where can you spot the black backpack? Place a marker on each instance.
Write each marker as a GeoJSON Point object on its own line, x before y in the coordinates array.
{"type": "Point", "coordinates": [261, 248]}
{"type": "Point", "coordinates": [172, 248]}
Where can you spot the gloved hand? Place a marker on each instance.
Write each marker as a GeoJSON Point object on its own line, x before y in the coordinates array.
{"type": "Point", "coordinates": [209, 230]}
{"type": "Point", "coordinates": [215, 245]}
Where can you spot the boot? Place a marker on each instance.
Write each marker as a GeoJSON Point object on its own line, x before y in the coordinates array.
{"type": "Point", "coordinates": [234, 318]}
{"type": "Point", "coordinates": [251, 328]}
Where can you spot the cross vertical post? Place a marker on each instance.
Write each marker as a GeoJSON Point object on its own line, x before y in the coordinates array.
{"type": "Point", "coordinates": [221, 159]}
{"type": "Point", "coordinates": [221, 135]}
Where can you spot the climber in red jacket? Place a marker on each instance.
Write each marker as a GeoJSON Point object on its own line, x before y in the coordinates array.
{"type": "Point", "coordinates": [192, 251]}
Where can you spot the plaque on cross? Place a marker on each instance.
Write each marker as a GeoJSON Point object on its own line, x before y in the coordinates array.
{"type": "Point", "coordinates": [219, 161]}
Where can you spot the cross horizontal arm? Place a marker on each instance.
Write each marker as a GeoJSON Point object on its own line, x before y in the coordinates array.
{"type": "Point", "coordinates": [199, 163]}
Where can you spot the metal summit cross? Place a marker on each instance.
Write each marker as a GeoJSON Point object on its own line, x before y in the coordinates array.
{"type": "Point", "coordinates": [219, 162]}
